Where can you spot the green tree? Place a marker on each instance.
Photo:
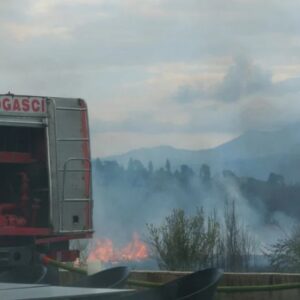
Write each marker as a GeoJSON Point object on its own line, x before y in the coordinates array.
{"type": "Point", "coordinates": [185, 175]}
{"type": "Point", "coordinates": [184, 242]}
{"type": "Point", "coordinates": [150, 167]}
{"type": "Point", "coordinates": [276, 179]}
{"type": "Point", "coordinates": [168, 166]}
{"type": "Point", "coordinates": [204, 173]}
{"type": "Point", "coordinates": [237, 242]}
{"type": "Point", "coordinates": [284, 255]}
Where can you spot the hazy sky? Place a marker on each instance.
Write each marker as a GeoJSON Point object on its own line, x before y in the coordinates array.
{"type": "Point", "coordinates": [187, 73]}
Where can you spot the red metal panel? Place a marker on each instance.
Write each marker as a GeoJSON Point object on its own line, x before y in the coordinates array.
{"type": "Point", "coordinates": [87, 166]}
{"type": "Point", "coordinates": [61, 238]}
{"type": "Point", "coordinates": [27, 231]}
{"type": "Point", "coordinates": [15, 157]}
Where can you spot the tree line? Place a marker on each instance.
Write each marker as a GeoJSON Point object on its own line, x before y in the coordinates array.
{"type": "Point", "coordinates": [274, 192]}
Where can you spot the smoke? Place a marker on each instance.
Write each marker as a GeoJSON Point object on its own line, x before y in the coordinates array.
{"type": "Point", "coordinates": [121, 209]}
{"type": "Point", "coordinates": [242, 79]}
{"type": "Point", "coordinates": [128, 200]}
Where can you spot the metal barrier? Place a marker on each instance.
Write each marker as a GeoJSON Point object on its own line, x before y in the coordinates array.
{"type": "Point", "coordinates": [221, 289]}
{"type": "Point", "coordinates": [227, 289]}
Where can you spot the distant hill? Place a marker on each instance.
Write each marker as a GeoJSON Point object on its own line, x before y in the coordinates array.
{"type": "Point", "coordinates": [255, 153]}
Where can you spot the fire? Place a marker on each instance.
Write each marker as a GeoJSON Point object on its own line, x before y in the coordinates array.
{"type": "Point", "coordinates": [105, 251]}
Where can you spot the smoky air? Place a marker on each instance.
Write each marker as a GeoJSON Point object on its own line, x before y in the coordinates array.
{"type": "Point", "coordinates": [129, 196]}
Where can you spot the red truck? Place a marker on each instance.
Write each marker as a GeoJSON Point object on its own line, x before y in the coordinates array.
{"type": "Point", "coordinates": [45, 177]}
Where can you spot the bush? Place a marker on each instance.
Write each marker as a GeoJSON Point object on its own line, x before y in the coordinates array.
{"type": "Point", "coordinates": [183, 242]}
{"type": "Point", "coordinates": [284, 255]}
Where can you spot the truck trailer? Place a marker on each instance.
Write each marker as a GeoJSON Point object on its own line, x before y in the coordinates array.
{"type": "Point", "coordinates": [45, 178]}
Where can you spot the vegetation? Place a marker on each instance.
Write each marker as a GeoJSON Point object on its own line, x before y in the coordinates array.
{"type": "Point", "coordinates": [273, 193]}
{"type": "Point", "coordinates": [238, 245]}
{"type": "Point", "coordinates": [133, 195]}
{"type": "Point", "coordinates": [284, 255]}
{"type": "Point", "coordinates": [184, 242]}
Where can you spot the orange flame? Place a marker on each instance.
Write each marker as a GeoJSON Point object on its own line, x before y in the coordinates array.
{"type": "Point", "coordinates": [105, 251]}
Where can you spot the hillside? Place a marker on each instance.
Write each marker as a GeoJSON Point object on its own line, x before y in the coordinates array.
{"type": "Point", "coordinates": [255, 153]}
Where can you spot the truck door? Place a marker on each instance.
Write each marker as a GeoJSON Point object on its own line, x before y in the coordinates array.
{"type": "Point", "coordinates": [73, 165]}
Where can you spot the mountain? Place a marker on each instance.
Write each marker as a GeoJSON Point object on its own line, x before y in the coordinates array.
{"type": "Point", "coordinates": [159, 155]}
{"type": "Point", "coordinates": [255, 153]}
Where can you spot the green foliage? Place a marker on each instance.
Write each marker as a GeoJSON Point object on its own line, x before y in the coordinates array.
{"type": "Point", "coordinates": [184, 243]}
{"type": "Point", "coordinates": [284, 255]}
{"type": "Point", "coordinates": [204, 173]}
{"type": "Point", "coordinates": [150, 167]}
{"type": "Point", "coordinates": [168, 166]}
